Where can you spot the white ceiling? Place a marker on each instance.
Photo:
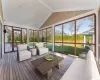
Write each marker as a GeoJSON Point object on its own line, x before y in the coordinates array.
{"type": "Point", "coordinates": [33, 13]}
{"type": "Point", "coordinates": [70, 5]}
{"type": "Point", "coordinates": [25, 12]}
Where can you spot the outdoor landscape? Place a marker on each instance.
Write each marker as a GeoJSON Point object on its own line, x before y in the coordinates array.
{"type": "Point", "coordinates": [68, 39]}
{"type": "Point", "coordinates": [15, 35]}
{"type": "Point", "coordinates": [65, 36]}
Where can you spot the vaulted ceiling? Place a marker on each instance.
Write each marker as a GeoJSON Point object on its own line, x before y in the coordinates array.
{"type": "Point", "coordinates": [66, 5]}
{"type": "Point", "coordinates": [56, 17]}
{"type": "Point", "coordinates": [33, 13]}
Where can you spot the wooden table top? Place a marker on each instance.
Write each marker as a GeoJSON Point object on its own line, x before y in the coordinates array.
{"type": "Point", "coordinates": [44, 66]}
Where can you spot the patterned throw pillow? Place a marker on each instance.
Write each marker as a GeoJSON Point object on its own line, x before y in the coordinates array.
{"type": "Point", "coordinates": [30, 45]}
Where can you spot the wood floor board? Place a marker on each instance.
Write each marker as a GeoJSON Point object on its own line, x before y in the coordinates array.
{"type": "Point", "coordinates": [18, 69]}
{"type": "Point", "coordinates": [5, 69]}
{"type": "Point", "coordinates": [11, 69]}
{"type": "Point", "coordinates": [37, 76]}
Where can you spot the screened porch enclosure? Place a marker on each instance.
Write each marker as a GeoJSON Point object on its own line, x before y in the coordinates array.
{"type": "Point", "coordinates": [76, 36]}
{"type": "Point", "coordinates": [73, 37]}
{"type": "Point", "coordinates": [45, 36]}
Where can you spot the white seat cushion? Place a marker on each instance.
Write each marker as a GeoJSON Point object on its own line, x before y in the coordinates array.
{"type": "Point", "coordinates": [23, 55]}
{"type": "Point", "coordinates": [75, 70]}
{"type": "Point", "coordinates": [43, 50]}
{"type": "Point", "coordinates": [22, 47]}
{"type": "Point", "coordinates": [39, 45]}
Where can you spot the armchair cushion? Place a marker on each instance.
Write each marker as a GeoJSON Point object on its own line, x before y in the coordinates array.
{"type": "Point", "coordinates": [22, 47]}
{"type": "Point", "coordinates": [23, 55]}
{"type": "Point", "coordinates": [43, 50]}
{"type": "Point", "coordinates": [22, 52]}
{"type": "Point", "coordinates": [39, 45]}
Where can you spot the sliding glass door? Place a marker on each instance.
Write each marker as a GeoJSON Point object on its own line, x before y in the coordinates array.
{"type": "Point", "coordinates": [40, 36]}
{"type": "Point", "coordinates": [49, 38]}
{"type": "Point", "coordinates": [58, 39]}
{"type": "Point", "coordinates": [45, 36]}
{"type": "Point", "coordinates": [8, 38]}
{"type": "Point", "coordinates": [69, 38]}
{"type": "Point", "coordinates": [33, 35]}
{"type": "Point", "coordinates": [0, 40]}
{"type": "Point", "coordinates": [36, 36]}
{"type": "Point", "coordinates": [85, 34]}
{"type": "Point", "coordinates": [14, 36]}
{"type": "Point", "coordinates": [17, 38]}
{"type": "Point", "coordinates": [24, 35]}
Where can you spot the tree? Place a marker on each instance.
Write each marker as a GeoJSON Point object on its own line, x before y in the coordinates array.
{"type": "Point", "coordinates": [91, 19]}
{"type": "Point", "coordinates": [79, 25]}
{"type": "Point", "coordinates": [9, 37]}
{"type": "Point", "coordinates": [71, 26]}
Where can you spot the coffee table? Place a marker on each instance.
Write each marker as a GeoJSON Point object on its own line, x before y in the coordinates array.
{"type": "Point", "coordinates": [45, 67]}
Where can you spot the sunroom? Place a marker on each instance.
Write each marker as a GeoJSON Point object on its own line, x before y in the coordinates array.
{"type": "Point", "coordinates": [49, 40]}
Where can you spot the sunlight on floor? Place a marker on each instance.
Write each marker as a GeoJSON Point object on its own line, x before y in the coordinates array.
{"type": "Point", "coordinates": [61, 55]}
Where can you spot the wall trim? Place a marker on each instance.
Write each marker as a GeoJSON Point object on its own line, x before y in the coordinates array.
{"type": "Point", "coordinates": [16, 25]}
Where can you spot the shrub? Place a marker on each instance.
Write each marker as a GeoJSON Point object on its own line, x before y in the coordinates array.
{"type": "Point", "coordinates": [87, 47]}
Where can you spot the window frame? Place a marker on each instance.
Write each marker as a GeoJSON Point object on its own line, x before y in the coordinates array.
{"type": "Point", "coordinates": [75, 43]}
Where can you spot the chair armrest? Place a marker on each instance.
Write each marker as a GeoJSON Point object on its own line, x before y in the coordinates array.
{"type": "Point", "coordinates": [28, 48]}
{"type": "Point", "coordinates": [17, 54]}
{"type": "Point", "coordinates": [83, 55]}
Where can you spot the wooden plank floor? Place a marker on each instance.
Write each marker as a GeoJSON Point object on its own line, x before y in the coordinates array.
{"type": "Point", "coordinates": [11, 69]}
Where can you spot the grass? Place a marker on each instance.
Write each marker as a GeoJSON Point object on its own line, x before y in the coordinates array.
{"type": "Point", "coordinates": [80, 50]}
{"type": "Point", "coordinates": [49, 46]}
{"type": "Point", "coordinates": [68, 49]}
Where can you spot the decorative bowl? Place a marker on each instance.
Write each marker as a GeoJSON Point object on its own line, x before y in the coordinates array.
{"type": "Point", "coordinates": [49, 57]}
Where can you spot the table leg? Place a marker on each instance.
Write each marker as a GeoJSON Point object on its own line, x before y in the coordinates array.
{"type": "Point", "coordinates": [49, 74]}
{"type": "Point", "coordinates": [58, 65]}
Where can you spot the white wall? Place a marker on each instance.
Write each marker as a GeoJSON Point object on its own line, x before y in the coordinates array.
{"type": "Point", "coordinates": [0, 41]}
{"type": "Point", "coordinates": [22, 26]}
{"type": "Point", "coordinates": [99, 36]}
{"type": "Point", "coordinates": [2, 36]}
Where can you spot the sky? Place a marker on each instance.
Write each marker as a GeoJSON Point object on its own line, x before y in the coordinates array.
{"type": "Point", "coordinates": [84, 26]}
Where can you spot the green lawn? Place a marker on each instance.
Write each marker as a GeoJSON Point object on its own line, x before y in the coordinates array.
{"type": "Point", "coordinates": [68, 49]}
{"type": "Point", "coordinates": [49, 46]}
